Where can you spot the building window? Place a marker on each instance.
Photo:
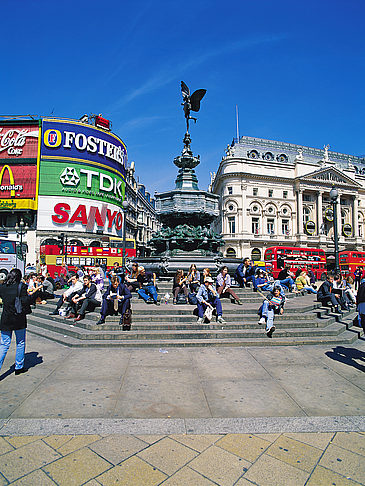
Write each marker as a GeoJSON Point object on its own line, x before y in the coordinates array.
{"type": "Point", "coordinates": [343, 217]}
{"type": "Point", "coordinates": [255, 191]}
{"type": "Point", "coordinates": [255, 226]}
{"type": "Point", "coordinates": [306, 215]}
{"type": "Point", "coordinates": [285, 227]}
{"type": "Point", "coordinates": [270, 226]}
{"type": "Point", "coordinates": [231, 224]}
{"type": "Point", "coordinates": [230, 189]}
{"type": "Point", "coordinates": [285, 194]}
{"type": "Point", "coordinates": [307, 197]}
{"type": "Point", "coordinates": [360, 230]}
{"type": "Point", "coordinates": [270, 192]}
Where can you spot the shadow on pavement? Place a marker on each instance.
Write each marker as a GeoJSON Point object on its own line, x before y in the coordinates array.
{"type": "Point", "coordinates": [347, 356]}
{"type": "Point", "coordinates": [31, 359]}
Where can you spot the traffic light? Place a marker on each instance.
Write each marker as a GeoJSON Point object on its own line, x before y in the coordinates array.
{"type": "Point", "coordinates": [61, 242]}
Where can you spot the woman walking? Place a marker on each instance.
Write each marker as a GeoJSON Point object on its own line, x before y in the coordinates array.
{"type": "Point", "coordinates": [14, 318]}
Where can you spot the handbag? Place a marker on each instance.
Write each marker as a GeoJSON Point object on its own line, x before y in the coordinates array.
{"type": "Point", "coordinates": [18, 303]}
{"type": "Point", "coordinates": [127, 320]}
{"type": "Point", "coordinates": [208, 314]}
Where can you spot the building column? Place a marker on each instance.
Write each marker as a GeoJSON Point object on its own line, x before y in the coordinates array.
{"type": "Point", "coordinates": [355, 216]}
{"type": "Point", "coordinates": [243, 223]}
{"type": "Point", "coordinates": [300, 211]}
{"type": "Point", "coordinates": [319, 211]}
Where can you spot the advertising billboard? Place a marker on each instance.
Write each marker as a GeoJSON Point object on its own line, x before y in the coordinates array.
{"type": "Point", "coordinates": [80, 215]}
{"type": "Point", "coordinates": [80, 162]}
{"type": "Point", "coordinates": [19, 155]}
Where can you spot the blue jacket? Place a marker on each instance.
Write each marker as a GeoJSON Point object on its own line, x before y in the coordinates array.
{"type": "Point", "coordinates": [203, 294]}
{"type": "Point", "coordinates": [250, 270]}
{"type": "Point", "coordinates": [121, 290]}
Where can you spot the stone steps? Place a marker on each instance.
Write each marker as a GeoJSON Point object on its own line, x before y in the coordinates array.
{"type": "Point", "coordinates": [303, 322]}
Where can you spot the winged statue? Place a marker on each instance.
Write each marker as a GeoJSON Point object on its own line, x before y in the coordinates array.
{"type": "Point", "coordinates": [191, 102]}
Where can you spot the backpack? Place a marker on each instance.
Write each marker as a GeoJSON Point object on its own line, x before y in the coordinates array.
{"type": "Point", "coordinates": [181, 299]}
{"type": "Point", "coordinates": [192, 299]}
{"type": "Point", "coordinates": [127, 320]}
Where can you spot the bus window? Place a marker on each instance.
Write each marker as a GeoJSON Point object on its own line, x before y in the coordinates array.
{"type": "Point", "coordinates": [75, 261]}
{"type": "Point", "coordinates": [7, 247]}
{"type": "Point", "coordinates": [59, 261]}
{"type": "Point", "coordinates": [82, 261]}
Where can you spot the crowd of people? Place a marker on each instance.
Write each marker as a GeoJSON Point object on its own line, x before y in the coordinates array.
{"type": "Point", "coordinates": [83, 291]}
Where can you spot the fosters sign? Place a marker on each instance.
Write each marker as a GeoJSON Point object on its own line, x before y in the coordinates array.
{"type": "Point", "coordinates": [18, 165]}
{"type": "Point", "coordinates": [81, 162]}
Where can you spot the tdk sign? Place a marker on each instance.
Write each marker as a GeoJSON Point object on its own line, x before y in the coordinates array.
{"type": "Point", "coordinates": [70, 177]}
{"type": "Point", "coordinates": [72, 140]}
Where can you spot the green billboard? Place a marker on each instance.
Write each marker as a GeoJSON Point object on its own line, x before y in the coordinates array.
{"type": "Point", "coordinates": [70, 179]}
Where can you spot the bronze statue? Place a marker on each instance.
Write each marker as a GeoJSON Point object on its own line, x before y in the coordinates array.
{"type": "Point", "coordinates": [191, 102]}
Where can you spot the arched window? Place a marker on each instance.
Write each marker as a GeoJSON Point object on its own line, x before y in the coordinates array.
{"type": "Point", "coordinates": [231, 253]}
{"type": "Point", "coordinates": [256, 254]}
{"type": "Point", "coordinates": [95, 244]}
{"type": "Point", "coordinates": [49, 241]}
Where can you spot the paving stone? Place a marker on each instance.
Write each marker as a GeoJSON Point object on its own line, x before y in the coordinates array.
{"type": "Point", "coordinates": [57, 441]}
{"type": "Point", "coordinates": [315, 439]}
{"type": "Point", "coordinates": [3, 481]}
{"type": "Point", "coordinates": [296, 453]}
{"type": "Point", "coordinates": [77, 443]}
{"type": "Point", "coordinates": [76, 468]}
{"type": "Point", "coordinates": [92, 482]}
{"type": "Point", "coordinates": [5, 446]}
{"type": "Point", "coordinates": [117, 448]}
{"type": "Point", "coordinates": [187, 476]}
{"type": "Point", "coordinates": [343, 461]}
{"type": "Point", "coordinates": [150, 439]}
{"type": "Point", "coordinates": [269, 471]}
{"type": "Point", "coordinates": [247, 446]}
{"type": "Point", "coordinates": [20, 441]}
{"type": "Point", "coordinates": [220, 466]}
{"type": "Point", "coordinates": [132, 472]}
{"type": "Point", "coordinates": [197, 442]}
{"type": "Point", "coordinates": [36, 478]}
{"type": "Point", "coordinates": [352, 441]}
{"type": "Point", "coordinates": [324, 477]}
{"type": "Point", "coordinates": [268, 437]}
{"type": "Point", "coordinates": [243, 482]}
{"type": "Point", "coordinates": [26, 459]}
{"type": "Point", "coordinates": [167, 455]}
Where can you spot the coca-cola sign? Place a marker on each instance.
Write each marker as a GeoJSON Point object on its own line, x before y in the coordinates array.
{"type": "Point", "coordinates": [18, 141]}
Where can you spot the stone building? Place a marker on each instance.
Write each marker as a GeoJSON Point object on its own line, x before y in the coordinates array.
{"type": "Point", "coordinates": [275, 193]}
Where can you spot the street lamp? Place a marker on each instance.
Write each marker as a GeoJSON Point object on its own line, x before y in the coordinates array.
{"type": "Point", "coordinates": [125, 205]}
{"type": "Point", "coordinates": [21, 230]}
{"type": "Point", "coordinates": [334, 197]}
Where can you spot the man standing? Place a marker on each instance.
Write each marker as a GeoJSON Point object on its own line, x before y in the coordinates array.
{"type": "Point", "coordinates": [360, 303]}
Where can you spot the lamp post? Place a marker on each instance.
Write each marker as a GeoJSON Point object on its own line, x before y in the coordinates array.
{"type": "Point", "coordinates": [334, 197]}
{"type": "Point", "coordinates": [21, 230]}
{"type": "Point", "coordinates": [125, 205]}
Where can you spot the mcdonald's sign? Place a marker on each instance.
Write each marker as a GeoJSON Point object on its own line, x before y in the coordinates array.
{"type": "Point", "coordinates": [18, 186]}
{"type": "Point", "coordinates": [19, 156]}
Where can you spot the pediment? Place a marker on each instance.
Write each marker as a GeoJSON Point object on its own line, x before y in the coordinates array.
{"type": "Point", "coordinates": [330, 175]}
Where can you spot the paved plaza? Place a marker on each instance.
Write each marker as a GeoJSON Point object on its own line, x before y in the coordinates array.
{"type": "Point", "coordinates": [289, 415]}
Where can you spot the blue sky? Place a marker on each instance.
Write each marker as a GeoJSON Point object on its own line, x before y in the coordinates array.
{"type": "Point", "coordinates": [294, 68]}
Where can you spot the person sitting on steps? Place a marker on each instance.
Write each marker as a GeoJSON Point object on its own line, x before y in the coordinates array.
{"type": "Point", "coordinates": [131, 280]}
{"type": "Point", "coordinates": [66, 297]}
{"type": "Point", "coordinates": [223, 285]}
{"type": "Point", "coordinates": [208, 296]}
{"type": "Point", "coordinates": [273, 304]}
{"type": "Point", "coordinates": [147, 290]}
{"type": "Point", "coordinates": [325, 294]}
{"type": "Point", "coordinates": [85, 299]}
{"type": "Point", "coordinates": [116, 300]}
{"type": "Point", "coordinates": [179, 285]}
{"type": "Point", "coordinates": [245, 273]}
{"type": "Point", "coordinates": [193, 278]}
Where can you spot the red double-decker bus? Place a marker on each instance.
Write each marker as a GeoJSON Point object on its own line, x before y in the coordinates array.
{"type": "Point", "coordinates": [296, 258]}
{"type": "Point", "coordinates": [86, 256]}
{"type": "Point", "coordinates": [350, 260]}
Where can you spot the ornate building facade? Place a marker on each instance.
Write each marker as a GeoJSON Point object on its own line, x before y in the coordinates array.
{"type": "Point", "coordinates": [275, 193]}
